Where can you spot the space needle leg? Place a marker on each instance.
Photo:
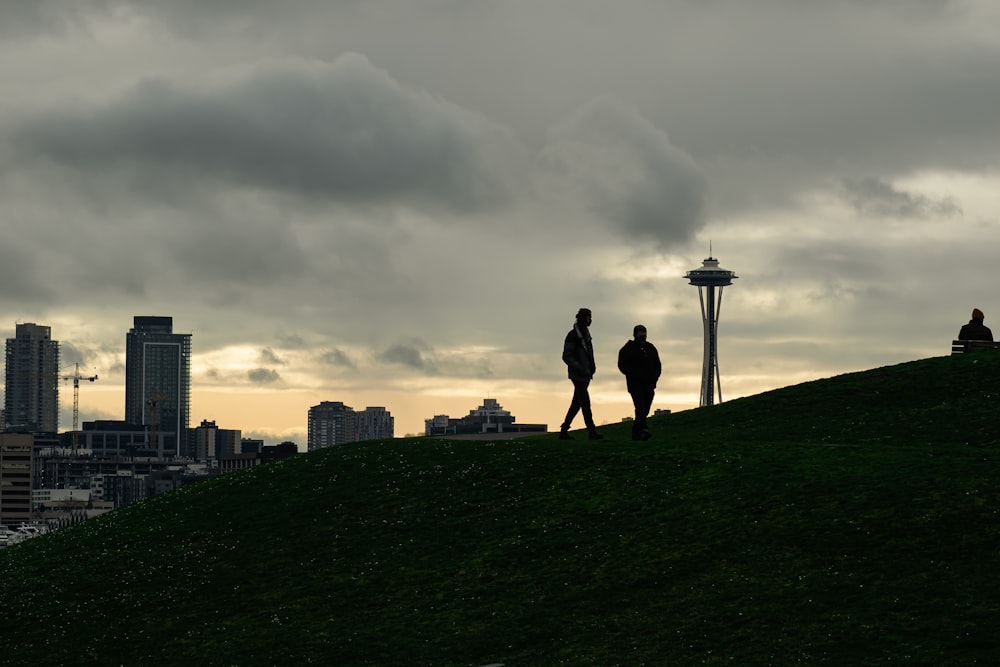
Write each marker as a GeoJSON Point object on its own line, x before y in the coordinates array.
{"type": "Point", "coordinates": [718, 379]}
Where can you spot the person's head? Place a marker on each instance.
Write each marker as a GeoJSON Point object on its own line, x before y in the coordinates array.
{"type": "Point", "coordinates": [639, 332]}
{"type": "Point", "coordinates": [583, 317]}
{"type": "Point", "coordinates": [977, 314]}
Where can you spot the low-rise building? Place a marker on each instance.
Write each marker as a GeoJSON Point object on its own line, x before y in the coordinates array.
{"type": "Point", "coordinates": [17, 464]}
{"type": "Point", "coordinates": [490, 417]}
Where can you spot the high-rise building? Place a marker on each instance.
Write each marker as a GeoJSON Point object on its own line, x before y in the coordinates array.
{"type": "Point", "coordinates": [158, 383]}
{"type": "Point", "coordinates": [375, 423]}
{"type": "Point", "coordinates": [331, 423]}
{"type": "Point", "coordinates": [31, 402]}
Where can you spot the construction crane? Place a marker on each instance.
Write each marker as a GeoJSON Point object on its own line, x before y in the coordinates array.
{"type": "Point", "coordinates": [76, 377]}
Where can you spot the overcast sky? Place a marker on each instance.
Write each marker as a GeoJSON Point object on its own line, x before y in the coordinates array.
{"type": "Point", "coordinates": [403, 203]}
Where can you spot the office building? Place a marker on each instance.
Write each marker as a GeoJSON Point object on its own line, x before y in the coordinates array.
{"type": "Point", "coordinates": [251, 445]}
{"type": "Point", "coordinates": [211, 442]}
{"type": "Point", "coordinates": [158, 384]}
{"type": "Point", "coordinates": [17, 464]}
{"type": "Point", "coordinates": [331, 423]}
{"type": "Point", "coordinates": [31, 401]}
{"type": "Point", "coordinates": [108, 438]}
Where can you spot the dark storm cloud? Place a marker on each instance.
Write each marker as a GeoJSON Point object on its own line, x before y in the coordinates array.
{"type": "Point", "coordinates": [292, 342]}
{"type": "Point", "coordinates": [337, 357]}
{"type": "Point", "coordinates": [405, 354]}
{"type": "Point", "coordinates": [874, 198]}
{"type": "Point", "coordinates": [18, 278]}
{"type": "Point", "coordinates": [438, 361]}
{"type": "Point", "coordinates": [70, 355]}
{"type": "Point", "coordinates": [267, 356]}
{"type": "Point", "coordinates": [25, 19]}
{"type": "Point", "coordinates": [268, 253]}
{"type": "Point", "coordinates": [263, 376]}
{"type": "Point", "coordinates": [803, 260]}
{"type": "Point", "coordinates": [343, 130]}
{"type": "Point", "coordinates": [635, 179]}
{"type": "Point", "coordinates": [189, 18]}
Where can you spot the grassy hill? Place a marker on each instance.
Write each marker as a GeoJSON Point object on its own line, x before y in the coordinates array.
{"type": "Point", "coordinates": [848, 521]}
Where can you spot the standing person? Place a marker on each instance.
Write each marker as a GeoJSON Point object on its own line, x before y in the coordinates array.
{"type": "Point", "coordinates": [578, 354]}
{"type": "Point", "coordinates": [639, 361]}
{"type": "Point", "coordinates": [975, 329]}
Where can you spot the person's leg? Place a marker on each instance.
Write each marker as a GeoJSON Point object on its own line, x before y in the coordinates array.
{"type": "Point", "coordinates": [574, 407]}
{"type": "Point", "coordinates": [637, 423]}
{"type": "Point", "coordinates": [642, 401]}
{"type": "Point", "coordinates": [643, 404]}
{"type": "Point", "coordinates": [588, 415]}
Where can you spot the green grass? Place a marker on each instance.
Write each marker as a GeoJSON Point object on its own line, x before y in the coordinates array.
{"type": "Point", "coordinates": [848, 521]}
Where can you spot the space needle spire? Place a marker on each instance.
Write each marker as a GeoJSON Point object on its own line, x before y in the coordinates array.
{"type": "Point", "coordinates": [710, 279]}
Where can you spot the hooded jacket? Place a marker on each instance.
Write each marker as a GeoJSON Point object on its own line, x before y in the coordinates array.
{"type": "Point", "coordinates": [975, 330]}
{"type": "Point", "coordinates": [640, 363]}
{"type": "Point", "coordinates": [578, 354]}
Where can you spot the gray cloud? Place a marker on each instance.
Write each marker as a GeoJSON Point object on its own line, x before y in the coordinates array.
{"type": "Point", "coordinates": [875, 198]}
{"type": "Point", "coordinates": [267, 356]}
{"type": "Point", "coordinates": [71, 354]}
{"type": "Point", "coordinates": [20, 277]}
{"type": "Point", "coordinates": [343, 130]}
{"type": "Point", "coordinates": [635, 179]}
{"type": "Point", "coordinates": [268, 254]}
{"type": "Point", "coordinates": [337, 357]}
{"type": "Point", "coordinates": [47, 17]}
{"type": "Point", "coordinates": [263, 376]}
{"type": "Point", "coordinates": [438, 361]}
{"type": "Point", "coordinates": [405, 354]}
{"type": "Point", "coordinates": [292, 341]}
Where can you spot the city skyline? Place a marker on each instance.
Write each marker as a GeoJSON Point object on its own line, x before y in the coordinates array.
{"type": "Point", "coordinates": [404, 204]}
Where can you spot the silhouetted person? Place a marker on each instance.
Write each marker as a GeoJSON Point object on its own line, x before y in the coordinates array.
{"type": "Point", "coordinates": [639, 361]}
{"type": "Point", "coordinates": [578, 354]}
{"type": "Point", "coordinates": [975, 329]}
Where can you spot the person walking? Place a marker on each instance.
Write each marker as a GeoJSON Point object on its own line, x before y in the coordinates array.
{"type": "Point", "coordinates": [578, 355]}
{"type": "Point", "coordinates": [639, 362]}
{"type": "Point", "coordinates": [975, 329]}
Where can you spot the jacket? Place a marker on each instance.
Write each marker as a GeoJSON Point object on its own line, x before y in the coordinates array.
{"type": "Point", "coordinates": [640, 363]}
{"type": "Point", "coordinates": [975, 330]}
{"type": "Point", "coordinates": [578, 355]}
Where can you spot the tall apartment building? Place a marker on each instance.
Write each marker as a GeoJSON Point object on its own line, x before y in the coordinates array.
{"type": "Point", "coordinates": [331, 423]}
{"type": "Point", "coordinates": [31, 401]}
{"type": "Point", "coordinates": [375, 423]}
{"type": "Point", "coordinates": [158, 383]}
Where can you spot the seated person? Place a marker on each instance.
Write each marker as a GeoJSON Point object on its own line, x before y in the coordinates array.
{"type": "Point", "coordinates": [975, 329]}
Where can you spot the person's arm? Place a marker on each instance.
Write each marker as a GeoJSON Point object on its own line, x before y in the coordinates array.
{"type": "Point", "coordinates": [571, 355]}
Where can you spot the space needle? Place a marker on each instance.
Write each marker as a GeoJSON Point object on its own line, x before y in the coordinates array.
{"type": "Point", "coordinates": [712, 278]}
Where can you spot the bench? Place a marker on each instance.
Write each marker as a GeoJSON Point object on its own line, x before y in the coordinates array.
{"type": "Point", "coordinates": [963, 346]}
